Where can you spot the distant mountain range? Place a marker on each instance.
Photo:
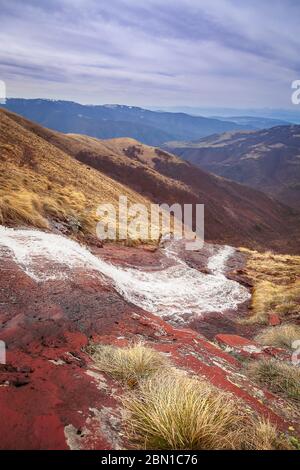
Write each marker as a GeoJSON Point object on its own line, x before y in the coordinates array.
{"type": "Point", "coordinates": [110, 121]}
{"type": "Point", "coordinates": [289, 115]}
{"type": "Point", "coordinates": [255, 122]}
{"type": "Point", "coordinates": [268, 160]}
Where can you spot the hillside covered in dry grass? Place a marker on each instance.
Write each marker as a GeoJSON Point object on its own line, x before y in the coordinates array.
{"type": "Point", "coordinates": [52, 176]}
{"type": "Point", "coordinates": [234, 213]}
{"type": "Point", "coordinates": [44, 187]}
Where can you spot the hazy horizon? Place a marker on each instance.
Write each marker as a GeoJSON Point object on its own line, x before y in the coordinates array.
{"type": "Point", "coordinates": [288, 115]}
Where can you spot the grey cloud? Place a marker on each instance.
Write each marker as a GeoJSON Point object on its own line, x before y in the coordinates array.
{"type": "Point", "coordinates": [213, 52]}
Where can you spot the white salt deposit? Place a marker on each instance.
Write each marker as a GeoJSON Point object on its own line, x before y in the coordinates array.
{"type": "Point", "coordinates": [176, 291]}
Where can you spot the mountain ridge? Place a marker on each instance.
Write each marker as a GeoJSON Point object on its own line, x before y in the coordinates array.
{"type": "Point", "coordinates": [109, 121]}
{"type": "Point", "coordinates": [267, 160]}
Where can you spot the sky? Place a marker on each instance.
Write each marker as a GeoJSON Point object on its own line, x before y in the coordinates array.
{"type": "Point", "coordinates": [220, 53]}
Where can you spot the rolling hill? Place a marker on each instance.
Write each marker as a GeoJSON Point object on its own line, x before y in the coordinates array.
{"type": "Point", "coordinates": [268, 160]}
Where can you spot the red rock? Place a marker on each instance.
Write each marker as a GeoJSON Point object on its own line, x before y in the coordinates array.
{"type": "Point", "coordinates": [278, 353]}
{"type": "Point", "coordinates": [52, 396]}
{"type": "Point", "coordinates": [249, 348]}
{"type": "Point", "coordinates": [242, 346]}
{"type": "Point", "coordinates": [274, 319]}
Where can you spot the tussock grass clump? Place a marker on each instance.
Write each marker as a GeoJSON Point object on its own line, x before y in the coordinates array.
{"type": "Point", "coordinates": [164, 408]}
{"type": "Point", "coordinates": [264, 436]}
{"type": "Point", "coordinates": [279, 377]}
{"type": "Point", "coordinates": [22, 207]}
{"type": "Point", "coordinates": [281, 336]}
{"type": "Point", "coordinates": [269, 297]}
{"type": "Point", "coordinates": [180, 412]}
{"type": "Point", "coordinates": [276, 285]}
{"type": "Point", "coordinates": [128, 365]}
{"type": "Point", "coordinates": [281, 269]}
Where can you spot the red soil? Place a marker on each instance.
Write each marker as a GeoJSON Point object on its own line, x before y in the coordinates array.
{"type": "Point", "coordinates": [51, 394]}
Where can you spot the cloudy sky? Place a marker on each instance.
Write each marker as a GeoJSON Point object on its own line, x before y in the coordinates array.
{"type": "Point", "coordinates": [233, 53]}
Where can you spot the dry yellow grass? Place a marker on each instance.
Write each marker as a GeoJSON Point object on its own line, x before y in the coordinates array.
{"type": "Point", "coordinates": [264, 436]}
{"type": "Point", "coordinates": [165, 408]}
{"type": "Point", "coordinates": [276, 281]}
{"type": "Point", "coordinates": [130, 364]}
{"type": "Point", "coordinates": [41, 185]}
{"type": "Point", "coordinates": [281, 336]}
{"type": "Point", "coordinates": [128, 152]}
{"type": "Point", "coordinates": [178, 412]}
{"type": "Point", "coordinates": [279, 377]}
{"type": "Point", "coordinates": [22, 207]}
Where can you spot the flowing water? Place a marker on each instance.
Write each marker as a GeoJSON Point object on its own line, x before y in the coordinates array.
{"type": "Point", "coordinates": [176, 291]}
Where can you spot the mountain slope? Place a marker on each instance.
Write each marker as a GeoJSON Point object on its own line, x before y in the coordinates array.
{"type": "Point", "coordinates": [111, 121]}
{"type": "Point", "coordinates": [268, 160]}
{"type": "Point", "coordinates": [44, 187]}
{"type": "Point", "coordinates": [234, 214]}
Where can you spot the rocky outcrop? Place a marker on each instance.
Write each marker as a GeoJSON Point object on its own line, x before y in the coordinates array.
{"type": "Point", "coordinates": [51, 394]}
